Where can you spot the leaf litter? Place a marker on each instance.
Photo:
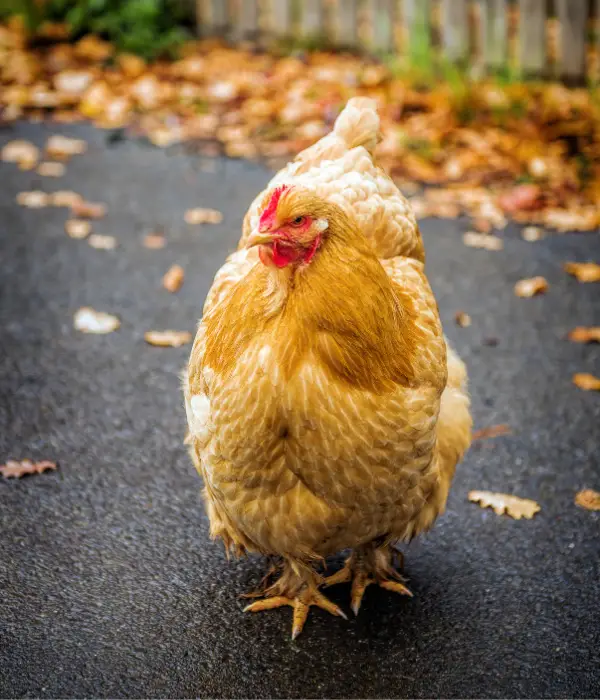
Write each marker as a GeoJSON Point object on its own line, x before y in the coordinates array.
{"type": "Point", "coordinates": [588, 499]}
{"type": "Point", "coordinates": [587, 382]}
{"type": "Point", "coordinates": [168, 339]}
{"type": "Point", "coordinates": [531, 287]}
{"type": "Point", "coordinates": [583, 272]}
{"type": "Point", "coordinates": [35, 199]}
{"type": "Point", "coordinates": [528, 151]}
{"type": "Point", "coordinates": [173, 278]}
{"type": "Point", "coordinates": [154, 241]}
{"type": "Point", "coordinates": [51, 169]}
{"type": "Point", "coordinates": [101, 242]}
{"type": "Point", "coordinates": [88, 320]}
{"type": "Point", "coordinates": [582, 334]}
{"type": "Point", "coordinates": [78, 228]}
{"type": "Point", "coordinates": [14, 469]}
{"type": "Point", "coordinates": [503, 503]}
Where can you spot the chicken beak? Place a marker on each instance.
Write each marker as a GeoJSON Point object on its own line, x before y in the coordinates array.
{"type": "Point", "coordinates": [259, 238]}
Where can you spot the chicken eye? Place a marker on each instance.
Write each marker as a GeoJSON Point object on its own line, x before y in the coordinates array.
{"type": "Point", "coordinates": [298, 221]}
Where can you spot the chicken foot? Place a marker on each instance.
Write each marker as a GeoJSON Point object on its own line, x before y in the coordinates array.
{"type": "Point", "coordinates": [366, 565]}
{"type": "Point", "coordinates": [298, 587]}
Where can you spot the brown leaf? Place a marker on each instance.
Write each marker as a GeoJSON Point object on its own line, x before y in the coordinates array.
{"type": "Point", "coordinates": [173, 278]}
{"type": "Point", "coordinates": [530, 287]}
{"type": "Point", "coordinates": [584, 272]}
{"type": "Point", "coordinates": [87, 320]}
{"type": "Point", "coordinates": [59, 146]}
{"type": "Point", "coordinates": [64, 198]}
{"type": "Point", "coordinates": [532, 233]}
{"type": "Point", "coordinates": [15, 470]}
{"type": "Point", "coordinates": [166, 339]}
{"type": "Point", "coordinates": [588, 499]}
{"type": "Point", "coordinates": [203, 216]}
{"type": "Point", "coordinates": [89, 210]}
{"type": "Point", "coordinates": [21, 152]}
{"type": "Point", "coordinates": [100, 242]}
{"type": "Point", "coordinates": [492, 431]}
{"type": "Point", "coordinates": [154, 241]}
{"type": "Point", "coordinates": [581, 334]}
{"type": "Point", "coordinates": [502, 503]}
{"type": "Point", "coordinates": [462, 319]}
{"type": "Point", "coordinates": [482, 240]}
{"type": "Point", "coordinates": [521, 198]}
{"type": "Point", "coordinates": [78, 228]}
{"type": "Point", "coordinates": [73, 83]}
{"type": "Point", "coordinates": [586, 381]}
{"type": "Point", "coordinates": [51, 169]}
{"type": "Point", "coordinates": [33, 200]}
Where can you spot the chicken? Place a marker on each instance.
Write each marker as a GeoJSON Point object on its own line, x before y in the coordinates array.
{"type": "Point", "coordinates": [325, 408]}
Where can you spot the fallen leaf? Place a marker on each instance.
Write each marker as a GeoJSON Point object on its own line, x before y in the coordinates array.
{"type": "Point", "coordinates": [87, 320]}
{"type": "Point", "coordinates": [78, 228]}
{"type": "Point", "coordinates": [530, 287]}
{"type": "Point", "coordinates": [89, 210]}
{"type": "Point", "coordinates": [482, 240]}
{"type": "Point", "coordinates": [532, 233]}
{"type": "Point", "coordinates": [33, 200]}
{"type": "Point", "coordinates": [588, 499]}
{"type": "Point", "coordinates": [586, 381]}
{"type": "Point", "coordinates": [154, 241]}
{"type": "Point", "coordinates": [64, 198]}
{"type": "Point", "coordinates": [166, 339]}
{"type": "Point", "coordinates": [581, 334]}
{"type": "Point", "coordinates": [492, 431]}
{"type": "Point", "coordinates": [203, 216]}
{"type": "Point", "coordinates": [173, 278]}
{"type": "Point", "coordinates": [51, 169]}
{"type": "Point", "coordinates": [21, 152]}
{"type": "Point", "coordinates": [584, 272]}
{"type": "Point", "coordinates": [15, 470]}
{"type": "Point", "coordinates": [462, 319]}
{"type": "Point", "coordinates": [59, 146]}
{"type": "Point", "coordinates": [502, 503]}
{"type": "Point", "coordinates": [100, 242]}
{"type": "Point", "coordinates": [521, 198]}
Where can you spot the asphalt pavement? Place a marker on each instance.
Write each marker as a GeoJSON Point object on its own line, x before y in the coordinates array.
{"type": "Point", "coordinates": [109, 585]}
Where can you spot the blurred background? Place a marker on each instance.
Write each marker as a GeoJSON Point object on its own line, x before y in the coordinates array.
{"type": "Point", "coordinates": [487, 92]}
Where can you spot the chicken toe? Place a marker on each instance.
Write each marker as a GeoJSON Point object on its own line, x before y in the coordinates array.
{"type": "Point", "coordinates": [366, 565]}
{"type": "Point", "coordinates": [299, 589]}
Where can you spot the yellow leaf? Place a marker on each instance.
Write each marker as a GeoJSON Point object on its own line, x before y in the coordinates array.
{"type": "Point", "coordinates": [502, 503]}
{"type": "Point", "coordinates": [586, 381]}
{"type": "Point", "coordinates": [588, 499]}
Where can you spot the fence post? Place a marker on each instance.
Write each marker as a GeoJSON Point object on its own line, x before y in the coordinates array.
{"type": "Point", "coordinates": [312, 18]}
{"type": "Point", "coordinates": [281, 13]}
{"type": "Point", "coordinates": [381, 15]}
{"type": "Point", "coordinates": [246, 22]}
{"type": "Point", "coordinates": [212, 17]}
{"type": "Point", "coordinates": [572, 15]}
{"type": "Point", "coordinates": [347, 23]}
{"type": "Point", "coordinates": [532, 36]}
{"type": "Point", "coordinates": [455, 29]}
{"type": "Point", "coordinates": [494, 33]}
{"type": "Point", "coordinates": [416, 21]}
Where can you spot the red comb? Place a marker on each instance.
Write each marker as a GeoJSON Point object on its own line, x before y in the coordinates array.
{"type": "Point", "coordinates": [268, 215]}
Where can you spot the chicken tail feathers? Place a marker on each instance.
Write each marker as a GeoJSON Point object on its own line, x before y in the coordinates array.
{"type": "Point", "coordinates": [358, 124]}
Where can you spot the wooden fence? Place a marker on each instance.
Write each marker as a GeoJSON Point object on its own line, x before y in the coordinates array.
{"type": "Point", "coordinates": [536, 37]}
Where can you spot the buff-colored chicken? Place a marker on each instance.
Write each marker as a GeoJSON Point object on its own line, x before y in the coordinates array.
{"type": "Point", "coordinates": [325, 409]}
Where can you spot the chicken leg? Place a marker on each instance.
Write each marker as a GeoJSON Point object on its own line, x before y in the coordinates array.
{"type": "Point", "coordinates": [366, 565]}
{"type": "Point", "coordinates": [298, 587]}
